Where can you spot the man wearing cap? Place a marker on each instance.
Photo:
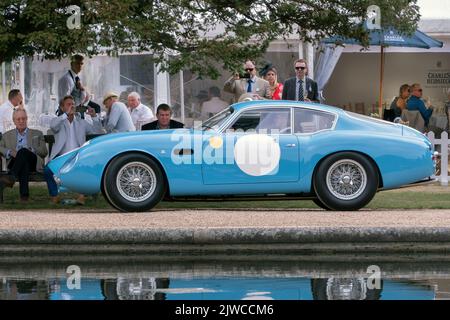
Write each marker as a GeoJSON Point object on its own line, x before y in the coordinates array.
{"type": "Point", "coordinates": [70, 133]}
{"type": "Point", "coordinates": [118, 118]}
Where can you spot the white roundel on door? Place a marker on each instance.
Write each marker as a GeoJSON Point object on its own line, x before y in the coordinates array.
{"type": "Point", "coordinates": [257, 154]}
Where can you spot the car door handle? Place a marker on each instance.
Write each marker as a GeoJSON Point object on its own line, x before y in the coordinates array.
{"type": "Point", "coordinates": [291, 145]}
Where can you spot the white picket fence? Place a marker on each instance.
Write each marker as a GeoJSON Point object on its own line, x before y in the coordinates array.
{"type": "Point", "coordinates": [442, 146]}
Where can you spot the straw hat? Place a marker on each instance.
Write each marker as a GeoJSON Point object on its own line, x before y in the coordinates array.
{"type": "Point", "coordinates": [108, 95]}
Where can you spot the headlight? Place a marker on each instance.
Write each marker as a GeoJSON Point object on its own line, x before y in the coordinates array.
{"type": "Point", "coordinates": [69, 164]}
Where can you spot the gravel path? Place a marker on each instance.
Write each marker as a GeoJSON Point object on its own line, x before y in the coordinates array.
{"type": "Point", "coordinates": [73, 220]}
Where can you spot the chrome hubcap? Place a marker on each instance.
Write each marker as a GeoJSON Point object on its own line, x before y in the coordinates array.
{"type": "Point", "coordinates": [136, 181]}
{"type": "Point", "coordinates": [346, 179]}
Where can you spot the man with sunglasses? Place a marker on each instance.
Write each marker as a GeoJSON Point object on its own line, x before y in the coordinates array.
{"type": "Point", "coordinates": [248, 84]}
{"type": "Point", "coordinates": [300, 87]}
{"type": "Point", "coordinates": [415, 103]}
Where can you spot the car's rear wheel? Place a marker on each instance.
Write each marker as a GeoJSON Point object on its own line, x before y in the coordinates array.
{"type": "Point", "coordinates": [346, 181]}
{"type": "Point", "coordinates": [133, 182]}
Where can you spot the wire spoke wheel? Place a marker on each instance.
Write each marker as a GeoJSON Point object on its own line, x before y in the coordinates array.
{"type": "Point", "coordinates": [136, 181]}
{"type": "Point", "coordinates": [346, 179]}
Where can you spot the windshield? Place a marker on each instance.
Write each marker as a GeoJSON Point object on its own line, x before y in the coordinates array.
{"type": "Point", "coordinates": [216, 121]}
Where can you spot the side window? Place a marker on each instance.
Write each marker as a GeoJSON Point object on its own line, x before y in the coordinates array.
{"type": "Point", "coordinates": [273, 120]}
{"type": "Point", "coordinates": [310, 121]}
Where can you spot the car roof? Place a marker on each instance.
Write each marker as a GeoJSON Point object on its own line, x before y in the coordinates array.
{"type": "Point", "coordinates": [285, 103]}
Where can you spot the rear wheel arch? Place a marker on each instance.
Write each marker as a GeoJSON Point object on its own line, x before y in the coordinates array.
{"type": "Point", "coordinates": [345, 180]}
{"type": "Point", "coordinates": [380, 177]}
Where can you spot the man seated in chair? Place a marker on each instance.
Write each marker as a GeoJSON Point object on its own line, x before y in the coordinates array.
{"type": "Point", "coordinates": [70, 133]}
{"type": "Point", "coordinates": [163, 114]}
{"type": "Point", "coordinates": [415, 103]}
{"type": "Point", "coordinates": [24, 150]}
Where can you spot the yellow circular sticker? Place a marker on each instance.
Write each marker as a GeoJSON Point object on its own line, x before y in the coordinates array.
{"type": "Point", "coordinates": [215, 142]}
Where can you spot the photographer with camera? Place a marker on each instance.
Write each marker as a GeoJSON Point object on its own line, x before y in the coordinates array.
{"type": "Point", "coordinates": [248, 83]}
{"type": "Point", "coordinates": [70, 133]}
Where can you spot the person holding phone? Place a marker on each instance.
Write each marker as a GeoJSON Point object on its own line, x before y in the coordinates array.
{"type": "Point", "coordinates": [247, 83]}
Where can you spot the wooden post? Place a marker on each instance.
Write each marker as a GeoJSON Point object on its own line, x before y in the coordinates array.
{"type": "Point", "coordinates": [380, 97]}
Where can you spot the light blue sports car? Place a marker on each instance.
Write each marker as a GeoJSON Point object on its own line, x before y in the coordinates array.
{"type": "Point", "coordinates": [257, 149]}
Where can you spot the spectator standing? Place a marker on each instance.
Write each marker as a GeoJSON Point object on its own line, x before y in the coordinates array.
{"type": "Point", "coordinates": [250, 83]}
{"type": "Point", "coordinates": [300, 87]}
{"type": "Point", "coordinates": [214, 104]}
{"type": "Point", "coordinates": [70, 84]}
{"type": "Point", "coordinates": [415, 103]}
{"type": "Point", "coordinates": [163, 114]}
{"type": "Point", "coordinates": [24, 150]}
{"type": "Point", "coordinates": [70, 133]}
{"type": "Point", "coordinates": [276, 88]}
{"type": "Point", "coordinates": [15, 100]}
{"type": "Point", "coordinates": [118, 118]}
{"type": "Point", "coordinates": [140, 113]}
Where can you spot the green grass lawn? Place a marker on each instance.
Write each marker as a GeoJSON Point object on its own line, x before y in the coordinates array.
{"type": "Point", "coordinates": [424, 197]}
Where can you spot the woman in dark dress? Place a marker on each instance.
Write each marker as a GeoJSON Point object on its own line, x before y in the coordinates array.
{"type": "Point", "coordinates": [398, 105]}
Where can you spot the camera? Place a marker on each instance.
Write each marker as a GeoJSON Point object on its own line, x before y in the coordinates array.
{"type": "Point", "coordinates": [81, 109]}
{"type": "Point", "coordinates": [244, 75]}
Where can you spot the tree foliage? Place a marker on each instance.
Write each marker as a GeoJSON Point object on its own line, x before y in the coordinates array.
{"type": "Point", "coordinates": [195, 34]}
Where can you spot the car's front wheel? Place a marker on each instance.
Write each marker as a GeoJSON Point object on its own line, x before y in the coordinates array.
{"type": "Point", "coordinates": [133, 182]}
{"type": "Point", "coordinates": [346, 181]}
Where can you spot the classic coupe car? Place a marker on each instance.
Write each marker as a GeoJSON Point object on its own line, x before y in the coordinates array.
{"type": "Point", "coordinates": [255, 149]}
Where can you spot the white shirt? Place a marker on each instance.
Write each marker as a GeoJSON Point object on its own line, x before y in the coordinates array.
{"type": "Point", "coordinates": [6, 111]}
{"type": "Point", "coordinates": [141, 115]}
{"type": "Point", "coordinates": [212, 106]}
{"type": "Point", "coordinates": [71, 142]}
{"type": "Point", "coordinates": [66, 86]}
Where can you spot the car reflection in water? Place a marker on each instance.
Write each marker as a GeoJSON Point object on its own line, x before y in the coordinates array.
{"type": "Point", "coordinates": [344, 289]}
{"type": "Point", "coordinates": [152, 288]}
{"type": "Point", "coordinates": [134, 289]}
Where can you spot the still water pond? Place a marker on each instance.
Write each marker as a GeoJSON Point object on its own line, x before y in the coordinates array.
{"type": "Point", "coordinates": [221, 279]}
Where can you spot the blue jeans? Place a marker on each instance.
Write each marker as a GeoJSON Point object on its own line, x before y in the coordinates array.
{"type": "Point", "coordinates": [51, 184]}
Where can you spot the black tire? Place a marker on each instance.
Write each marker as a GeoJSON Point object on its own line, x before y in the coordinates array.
{"type": "Point", "coordinates": [320, 204]}
{"type": "Point", "coordinates": [346, 181]}
{"type": "Point", "coordinates": [149, 183]}
{"type": "Point", "coordinates": [107, 197]}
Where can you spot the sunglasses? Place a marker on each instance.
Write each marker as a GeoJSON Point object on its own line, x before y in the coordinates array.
{"type": "Point", "coordinates": [249, 69]}
{"type": "Point", "coordinates": [300, 68]}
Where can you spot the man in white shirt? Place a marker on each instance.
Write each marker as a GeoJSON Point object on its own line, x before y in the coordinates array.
{"type": "Point", "coordinates": [70, 85]}
{"type": "Point", "coordinates": [214, 104]}
{"type": "Point", "coordinates": [140, 113]}
{"type": "Point", "coordinates": [15, 100]}
{"type": "Point", "coordinates": [118, 118]}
